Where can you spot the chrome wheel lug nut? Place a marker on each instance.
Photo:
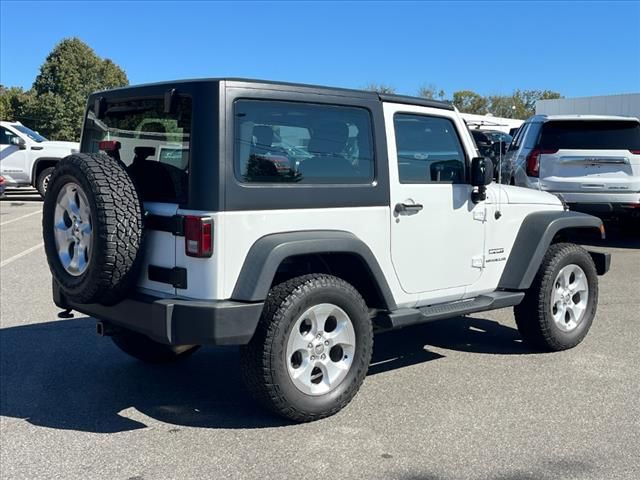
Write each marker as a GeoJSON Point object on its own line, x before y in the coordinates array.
{"type": "Point", "coordinates": [323, 356]}
{"type": "Point", "coordinates": [326, 342]}
{"type": "Point", "coordinates": [310, 345]}
{"type": "Point", "coordinates": [313, 357]}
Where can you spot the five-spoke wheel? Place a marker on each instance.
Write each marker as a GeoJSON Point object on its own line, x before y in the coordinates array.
{"type": "Point", "coordinates": [73, 230]}
{"type": "Point", "coordinates": [320, 349]}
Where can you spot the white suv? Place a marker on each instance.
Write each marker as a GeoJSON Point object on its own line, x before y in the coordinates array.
{"type": "Point", "coordinates": [295, 221]}
{"type": "Point", "coordinates": [27, 158]}
{"type": "Point", "coordinates": [592, 161]}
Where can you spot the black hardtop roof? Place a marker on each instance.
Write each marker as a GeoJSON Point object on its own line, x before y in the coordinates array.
{"type": "Point", "coordinates": [303, 88]}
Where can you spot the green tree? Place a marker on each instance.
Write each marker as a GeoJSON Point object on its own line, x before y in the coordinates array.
{"type": "Point", "coordinates": [431, 92]}
{"type": "Point", "coordinates": [468, 101]}
{"type": "Point", "coordinates": [12, 102]}
{"type": "Point", "coordinates": [69, 74]}
{"type": "Point", "coordinates": [520, 104]}
{"type": "Point", "coordinates": [380, 88]}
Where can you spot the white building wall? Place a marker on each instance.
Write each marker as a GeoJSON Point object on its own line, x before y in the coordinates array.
{"type": "Point", "coordinates": [626, 105]}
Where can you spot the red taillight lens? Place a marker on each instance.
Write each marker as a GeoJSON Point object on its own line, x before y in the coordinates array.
{"type": "Point", "coordinates": [109, 145]}
{"type": "Point", "coordinates": [198, 236]}
{"type": "Point", "coordinates": [635, 152]}
{"type": "Point", "coordinates": [533, 161]}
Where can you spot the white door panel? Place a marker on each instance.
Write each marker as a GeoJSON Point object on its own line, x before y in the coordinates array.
{"type": "Point", "coordinates": [434, 248]}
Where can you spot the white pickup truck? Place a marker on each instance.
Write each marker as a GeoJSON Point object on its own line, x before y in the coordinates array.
{"type": "Point", "coordinates": [27, 158]}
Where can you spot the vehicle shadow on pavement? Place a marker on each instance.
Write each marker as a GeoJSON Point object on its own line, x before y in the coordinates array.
{"type": "Point", "coordinates": [409, 346]}
{"type": "Point", "coordinates": [61, 375]}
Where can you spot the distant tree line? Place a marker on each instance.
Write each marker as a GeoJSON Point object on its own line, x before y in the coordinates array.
{"type": "Point", "coordinates": [520, 104]}
{"type": "Point", "coordinates": [55, 104]}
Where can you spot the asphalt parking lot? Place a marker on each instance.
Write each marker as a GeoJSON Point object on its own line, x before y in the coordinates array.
{"type": "Point", "coordinates": [456, 399]}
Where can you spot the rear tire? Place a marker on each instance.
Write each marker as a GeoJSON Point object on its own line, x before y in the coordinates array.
{"type": "Point", "coordinates": [559, 307]}
{"type": "Point", "coordinates": [311, 350]}
{"type": "Point", "coordinates": [42, 182]}
{"type": "Point", "coordinates": [146, 350]}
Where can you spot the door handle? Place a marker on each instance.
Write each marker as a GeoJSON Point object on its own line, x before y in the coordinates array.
{"type": "Point", "coordinates": [408, 208]}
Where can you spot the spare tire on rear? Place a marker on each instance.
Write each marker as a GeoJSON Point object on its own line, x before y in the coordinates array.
{"type": "Point", "coordinates": [92, 225]}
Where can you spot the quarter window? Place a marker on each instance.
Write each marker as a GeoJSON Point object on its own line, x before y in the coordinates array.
{"type": "Point", "coordinates": [289, 142]}
{"type": "Point", "coordinates": [429, 150]}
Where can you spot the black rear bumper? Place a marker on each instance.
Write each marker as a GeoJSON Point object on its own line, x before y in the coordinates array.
{"type": "Point", "coordinates": [176, 321]}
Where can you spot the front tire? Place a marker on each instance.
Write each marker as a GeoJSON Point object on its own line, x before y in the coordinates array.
{"type": "Point", "coordinates": [42, 182]}
{"type": "Point", "coordinates": [146, 350]}
{"type": "Point", "coordinates": [559, 307]}
{"type": "Point", "coordinates": [311, 350]}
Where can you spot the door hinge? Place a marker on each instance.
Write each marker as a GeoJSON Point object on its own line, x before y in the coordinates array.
{"type": "Point", "coordinates": [477, 261]}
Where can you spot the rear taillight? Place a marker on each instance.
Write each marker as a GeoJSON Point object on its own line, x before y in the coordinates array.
{"type": "Point", "coordinates": [635, 152]}
{"type": "Point", "coordinates": [109, 145]}
{"type": "Point", "coordinates": [533, 161]}
{"type": "Point", "coordinates": [198, 234]}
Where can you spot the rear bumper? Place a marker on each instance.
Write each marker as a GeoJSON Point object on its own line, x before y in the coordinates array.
{"type": "Point", "coordinates": [602, 203]}
{"type": "Point", "coordinates": [176, 321]}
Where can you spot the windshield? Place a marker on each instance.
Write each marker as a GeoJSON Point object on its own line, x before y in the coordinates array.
{"type": "Point", "coordinates": [35, 136]}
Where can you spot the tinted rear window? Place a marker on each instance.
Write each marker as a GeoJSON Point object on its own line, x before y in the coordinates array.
{"type": "Point", "coordinates": [287, 142]}
{"type": "Point", "coordinates": [591, 135]}
{"type": "Point", "coordinates": [153, 144]}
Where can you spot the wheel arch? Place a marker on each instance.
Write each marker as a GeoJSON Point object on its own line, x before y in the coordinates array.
{"type": "Point", "coordinates": [40, 164]}
{"type": "Point", "coordinates": [336, 252]}
{"type": "Point", "coordinates": [537, 232]}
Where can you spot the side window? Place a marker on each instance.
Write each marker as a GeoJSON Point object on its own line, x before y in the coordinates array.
{"type": "Point", "coordinates": [290, 142]}
{"type": "Point", "coordinates": [429, 150]}
{"type": "Point", "coordinates": [517, 140]}
{"type": "Point", "coordinates": [5, 136]}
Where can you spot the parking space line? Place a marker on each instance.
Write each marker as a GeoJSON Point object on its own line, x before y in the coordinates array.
{"type": "Point", "coordinates": [20, 255]}
{"type": "Point", "coordinates": [20, 218]}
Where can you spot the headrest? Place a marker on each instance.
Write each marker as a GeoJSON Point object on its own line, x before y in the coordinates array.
{"type": "Point", "coordinates": [264, 136]}
{"type": "Point", "coordinates": [329, 138]}
{"type": "Point", "coordinates": [143, 152]}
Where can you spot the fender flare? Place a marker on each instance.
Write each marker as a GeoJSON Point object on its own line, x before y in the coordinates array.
{"type": "Point", "coordinates": [534, 237]}
{"type": "Point", "coordinates": [268, 252]}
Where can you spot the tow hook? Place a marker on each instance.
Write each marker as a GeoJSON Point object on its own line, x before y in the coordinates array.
{"type": "Point", "coordinates": [65, 313]}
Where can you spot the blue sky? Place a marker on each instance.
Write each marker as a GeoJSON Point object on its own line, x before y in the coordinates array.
{"type": "Point", "coordinates": [575, 48]}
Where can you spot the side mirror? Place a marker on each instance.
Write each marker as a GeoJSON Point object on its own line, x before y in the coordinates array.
{"type": "Point", "coordinates": [19, 142]}
{"type": "Point", "coordinates": [481, 176]}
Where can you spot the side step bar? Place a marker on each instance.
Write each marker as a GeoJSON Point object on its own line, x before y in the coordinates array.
{"type": "Point", "coordinates": [412, 316]}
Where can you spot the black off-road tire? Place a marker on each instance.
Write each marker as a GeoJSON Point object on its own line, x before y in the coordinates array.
{"type": "Point", "coordinates": [117, 225]}
{"type": "Point", "coordinates": [534, 316]}
{"type": "Point", "coordinates": [42, 182]}
{"type": "Point", "coordinates": [146, 350]}
{"type": "Point", "coordinates": [263, 360]}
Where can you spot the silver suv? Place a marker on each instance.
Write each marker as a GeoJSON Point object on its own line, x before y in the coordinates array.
{"type": "Point", "coordinates": [592, 161]}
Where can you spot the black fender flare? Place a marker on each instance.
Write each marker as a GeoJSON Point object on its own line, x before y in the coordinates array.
{"type": "Point", "coordinates": [534, 237]}
{"type": "Point", "coordinates": [34, 167]}
{"type": "Point", "coordinates": [268, 252]}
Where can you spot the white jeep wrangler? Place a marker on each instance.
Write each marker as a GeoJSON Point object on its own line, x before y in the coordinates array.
{"type": "Point", "coordinates": [295, 221]}
{"type": "Point", "coordinates": [28, 158]}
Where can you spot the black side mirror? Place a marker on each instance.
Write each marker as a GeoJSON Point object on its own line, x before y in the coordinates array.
{"type": "Point", "coordinates": [481, 176]}
{"type": "Point", "coordinates": [19, 142]}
